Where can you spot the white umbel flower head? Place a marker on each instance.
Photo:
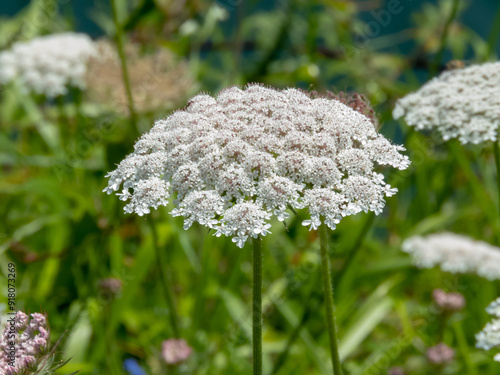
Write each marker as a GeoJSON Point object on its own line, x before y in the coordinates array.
{"type": "Point", "coordinates": [234, 161]}
{"type": "Point", "coordinates": [455, 253]}
{"type": "Point", "coordinates": [489, 337]}
{"type": "Point", "coordinates": [47, 65]}
{"type": "Point", "coordinates": [461, 103]}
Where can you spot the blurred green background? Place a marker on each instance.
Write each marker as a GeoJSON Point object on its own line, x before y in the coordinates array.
{"type": "Point", "coordinates": [67, 238]}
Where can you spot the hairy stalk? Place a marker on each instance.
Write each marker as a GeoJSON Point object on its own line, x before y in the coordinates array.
{"type": "Point", "coordinates": [123, 62]}
{"type": "Point", "coordinates": [328, 291]}
{"type": "Point", "coordinates": [166, 280]}
{"type": "Point", "coordinates": [309, 303]}
{"type": "Point", "coordinates": [257, 306]}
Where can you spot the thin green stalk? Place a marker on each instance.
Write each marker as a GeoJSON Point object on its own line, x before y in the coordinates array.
{"type": "Point", "coordinates": [328, 291]}
{"type": "Point", "coordinates": [310, 306]}
{"type": "Point", "coordinates": [464, 348]}
{"type": "Point", "coordinates": [496, 151]}
{"type": "Point", "coordinates": [257, 306]}
{"type": "Point", "coordinates": [123, 62]}
{"type": "Point", "coordinates": [166, 280]}
{"type": "Point", "coordinates": [444, 38]}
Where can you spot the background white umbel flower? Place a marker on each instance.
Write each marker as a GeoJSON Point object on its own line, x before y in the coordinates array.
{"type": "Point", "coordinates": [489, 337]}
{"type": "Point", "coordinates": [461, 103]}
{"type": "Point", "coordinates": [455, 253]}
{"type": "Point", "coordinates": [236, 160]}
{"type": "Point", "coordinates": [48, 64]}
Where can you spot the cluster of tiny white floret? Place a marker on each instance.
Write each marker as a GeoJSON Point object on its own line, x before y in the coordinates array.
{"type": "Point", "coordinates": [489, 337]}
{"type": "Point", "coordinates": [455, 253]}
{"type": "Point", "coordinates": [463, 103]}
{"type": "Point", "coordinates": [47, 65]}
{"type": "Point", "coordinates": [234, 161]}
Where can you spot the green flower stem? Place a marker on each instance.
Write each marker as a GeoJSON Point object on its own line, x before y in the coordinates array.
{"type": "Point", "coordinates": [463, 348]}
{"type": "Point", "coordinates": [123, 62]}
{"type": "Point", "coordinates": [257, 306]}
{"type": "Point", "coordinates": [328, 291]}
{"type": "Point", "coordinates": [309, 303]}
{"type": "Point", "coordinates": [166, 280]}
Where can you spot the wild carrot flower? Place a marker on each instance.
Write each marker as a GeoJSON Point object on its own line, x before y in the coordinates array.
{"type": "Point", "coordinates": [489, 337]}
{"type": "Point", "coordinates": [47, 65]}
{"type": "Point", "coordinates": [461, 103]}
{"type": "Point", "coordinates": [454, 253]}
{"type": "Point", "coordinates": [233, 162]}
{"type": "Point", "coordinates": [24, 346]}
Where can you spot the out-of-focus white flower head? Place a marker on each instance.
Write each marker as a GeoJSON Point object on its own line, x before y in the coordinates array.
{"type": "Point", "coordinates": [461, 103]}
{"type": "Point", "coordinates": [455, 253]}
{"type": "Point", "coordinates": [489, 337]}
{"type": "Point", "coordinates": [48, 64]}
{"type": "Point", "coordinates": [236, 160]}
{"type": "Point", "coordinates": [494, 308]}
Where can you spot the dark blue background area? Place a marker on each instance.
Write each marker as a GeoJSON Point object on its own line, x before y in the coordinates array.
{"type": "Point", "coordinates": [478, 16]}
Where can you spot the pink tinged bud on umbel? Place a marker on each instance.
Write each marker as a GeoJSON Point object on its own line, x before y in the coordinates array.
{"type": "Point", "coordinates": [234, 161]}
{"type": "Point", "coordinates": [175, 351]}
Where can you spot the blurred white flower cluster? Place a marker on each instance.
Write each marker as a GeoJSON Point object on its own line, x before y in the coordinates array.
{"type": "Point", "coordinates": [48, 64]}
{"type": "Point", "coordinates": [463, 103]}
{"type": "Point", "coordinates": [455, 253]}
{"type": "Point", "coordinates": [236, 160]}
{"type": "Point", "coordinates": [489, 337]}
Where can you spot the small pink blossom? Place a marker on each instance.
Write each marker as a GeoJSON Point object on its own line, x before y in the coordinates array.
{"type": "Point", "coordinates": [439, 354]}
{"type": "Point", "coordinates": [448, 301]}
{"type": "Point", "coordinates": [175, 351]}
